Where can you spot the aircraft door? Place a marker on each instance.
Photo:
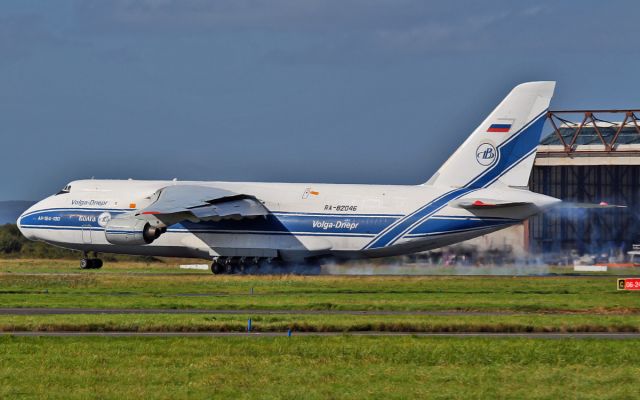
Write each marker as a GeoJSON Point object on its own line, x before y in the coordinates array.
{"type": "Point", "coordinates": [86, 234]}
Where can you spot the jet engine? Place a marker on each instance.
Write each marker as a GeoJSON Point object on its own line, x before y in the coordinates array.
{"type": "Point", "coordinates": [131, 231]}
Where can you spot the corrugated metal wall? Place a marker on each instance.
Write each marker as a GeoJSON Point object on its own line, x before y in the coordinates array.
{"type": "Point", "coordinates": [587, 231]}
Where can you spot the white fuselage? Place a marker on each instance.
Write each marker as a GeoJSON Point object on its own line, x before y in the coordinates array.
{"type": "Point", "coordinates": [306, 220]}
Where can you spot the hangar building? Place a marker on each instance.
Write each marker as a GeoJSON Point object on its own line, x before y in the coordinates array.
{"type": "Point", "coordinates": [590, 156]}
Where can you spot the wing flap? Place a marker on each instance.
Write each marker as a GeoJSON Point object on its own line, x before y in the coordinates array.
{"type": "Point", "coordinates": [194, 203]}
{"type": "Point", "coordinates": [244, 207]}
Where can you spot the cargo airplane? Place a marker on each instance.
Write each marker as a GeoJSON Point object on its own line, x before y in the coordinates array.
{"type": "Point", "coordinates": [481, 188]}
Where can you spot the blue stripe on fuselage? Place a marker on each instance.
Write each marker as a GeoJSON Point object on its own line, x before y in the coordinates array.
{"type": "Point", "coordinates": [437, 225]}
{"type": "Point", "coordinates": [335, 224]}
{"type": "Point", "coordinates": [406, 224]}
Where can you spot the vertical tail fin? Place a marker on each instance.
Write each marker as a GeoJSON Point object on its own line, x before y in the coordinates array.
{"type": "Point", "coordinates": [502, 149]}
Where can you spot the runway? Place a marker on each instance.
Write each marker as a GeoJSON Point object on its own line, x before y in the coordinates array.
{"type": "Point", "coordinates": [607, 336]}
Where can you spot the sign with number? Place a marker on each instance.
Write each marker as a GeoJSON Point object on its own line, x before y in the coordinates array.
{"type": "Point", "coordinates": [629, 284]}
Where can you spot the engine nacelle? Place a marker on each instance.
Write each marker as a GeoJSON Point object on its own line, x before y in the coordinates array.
{"type": "Point", "coordinates": [131, 231]}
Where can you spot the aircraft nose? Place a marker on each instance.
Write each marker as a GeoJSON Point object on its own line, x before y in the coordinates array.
{"type": "Point", "coordinates": [19, 224]}
{"type": "Point", "coordinates": [21, 221]}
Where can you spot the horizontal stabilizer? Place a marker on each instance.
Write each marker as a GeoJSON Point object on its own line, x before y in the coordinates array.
{"type": "Point", "coordinates": [597, 206]}
{"type": "Point", "coordinates": [478, 204]}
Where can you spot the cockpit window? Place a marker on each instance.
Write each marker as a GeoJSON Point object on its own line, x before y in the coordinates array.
{"type": "Point", "coordinates": [65, 189]}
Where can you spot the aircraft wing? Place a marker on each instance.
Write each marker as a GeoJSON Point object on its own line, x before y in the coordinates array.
{"type": "Point", "coordinates": [200, 203]}
{"type": "Point", "coordinates": [483, 204]}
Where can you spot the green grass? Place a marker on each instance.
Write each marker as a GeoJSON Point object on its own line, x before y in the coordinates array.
{"type": "Point", "coordinates": [312, 367]}
{"type": "Point", "coordinates": [128, 285]}
{"type": "Point", "coordinates": [321, 323]}
{"type": "Point", "coordinates": [541, 304]}
{"type": "Point", "coordinates": [317, 368]}
{"type": "Point", "coordinates": [72, 266]}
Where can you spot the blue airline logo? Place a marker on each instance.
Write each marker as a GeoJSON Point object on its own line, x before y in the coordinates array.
{"type": "Point", "coordinates": [486, 154]}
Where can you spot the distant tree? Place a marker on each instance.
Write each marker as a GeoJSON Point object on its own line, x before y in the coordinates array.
{"type": "Point", "coordinates": [10, 239]}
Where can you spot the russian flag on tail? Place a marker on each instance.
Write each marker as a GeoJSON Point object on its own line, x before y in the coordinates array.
{"type": "Point", "coordinates": [499, 128]}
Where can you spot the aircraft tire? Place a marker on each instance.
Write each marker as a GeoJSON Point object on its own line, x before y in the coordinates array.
{"type": "Point", "coordinates": [217, 268]}
{"type": "Point", "coordinates": [85, 263]}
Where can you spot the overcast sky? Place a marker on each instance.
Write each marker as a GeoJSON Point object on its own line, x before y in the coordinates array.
{"type": "Point", "coordinates": [345, 91]}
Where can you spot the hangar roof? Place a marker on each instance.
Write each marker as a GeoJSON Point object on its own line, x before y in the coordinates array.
{"type": "Point", "coordinates": [588, 135]}
{"type": "Point", "coordinates": [606, 139]}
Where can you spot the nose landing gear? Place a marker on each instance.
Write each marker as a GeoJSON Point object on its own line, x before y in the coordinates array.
{"type": "Point", "coordinates": [90, 263]}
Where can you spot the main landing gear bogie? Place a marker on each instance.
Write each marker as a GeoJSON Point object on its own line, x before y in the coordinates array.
{"type": "Point", "coordinates": [264, 265]}
{"type": "Point", "coordinates": [239, 265]}
{"type": "Point", "coordinates": [90, 263]}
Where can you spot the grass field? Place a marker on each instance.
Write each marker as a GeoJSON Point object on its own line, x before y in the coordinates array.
{"type": "Point", "coordinates": [533, 323]}
{"type": "Point", "coordinates": [161, 286]}
{"type": "Point", "coordinates": [312, 366]}
{"type": "Point", "coordinates": [317, 368]}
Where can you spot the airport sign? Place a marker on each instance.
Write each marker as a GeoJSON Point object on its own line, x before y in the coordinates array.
{"type": "Point", "coordinates": [629, 284]}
